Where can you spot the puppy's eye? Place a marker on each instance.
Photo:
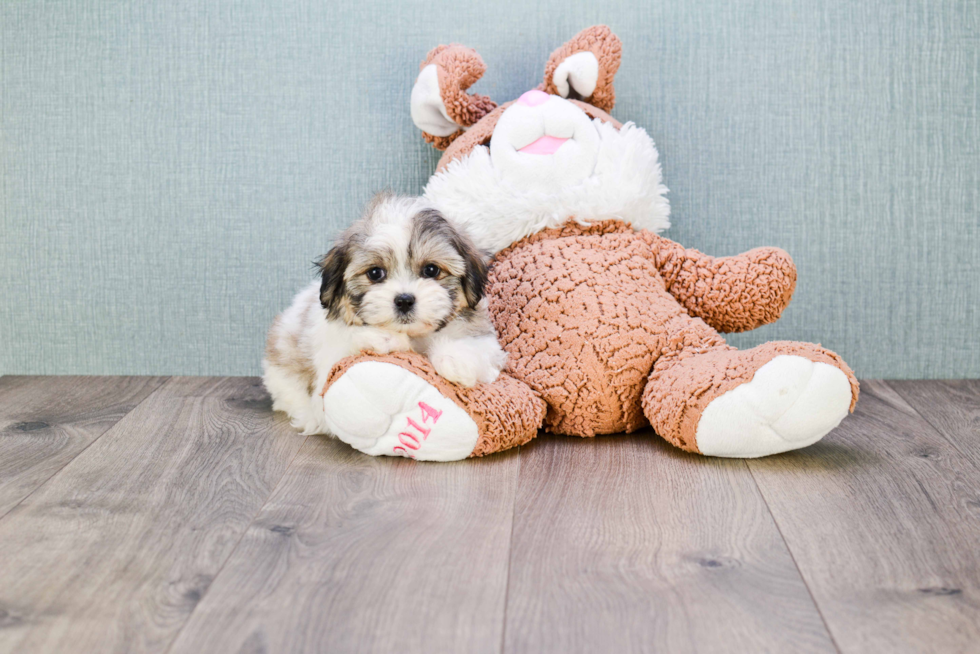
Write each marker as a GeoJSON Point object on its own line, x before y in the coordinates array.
{"type": "Point", "coordinates": [430, 271]}
{"type": "Point", "coordinates": [376, 274]}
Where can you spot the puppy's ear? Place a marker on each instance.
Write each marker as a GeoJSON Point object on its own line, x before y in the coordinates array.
{"type": "Point", "coordinates": [332, 266]}
{"type": "Point", "coordinates": [474, 279]}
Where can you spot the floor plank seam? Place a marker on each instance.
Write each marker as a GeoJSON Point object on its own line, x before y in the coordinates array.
{"type": "Point", "coordinates": [942, 434]}
{"type": "Point", "coordinates": [799, 571]}
{"type": "Point", "coordinates": [232, 551]}
{"type": "Point", "coordinates": [81, 451]}
{"type": "Point", "coordinates": [510, 548]}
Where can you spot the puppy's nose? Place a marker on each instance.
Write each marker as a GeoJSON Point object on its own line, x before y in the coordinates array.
{"type": "Point", "coordinates": [404, 302]}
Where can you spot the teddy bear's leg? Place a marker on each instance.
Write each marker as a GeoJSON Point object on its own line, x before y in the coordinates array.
{"type": "Point", "coordinates": [776, 397]}
{"type": "Point", "coordinates": [397, 405]}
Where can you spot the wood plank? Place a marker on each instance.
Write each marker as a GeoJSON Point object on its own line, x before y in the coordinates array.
{"type": "Point", "coordinates": [883, 519]}
{"type": "Point", "coordinates": [115, 551]}
{"type": "Point", "coordinates": [625, 544]}
{"type": "Point", "coordinates": [952, 407]}
{"type": "Point", "coordinates": [46, 421]}
{"type": "Point", "coordinates": [361, 554]}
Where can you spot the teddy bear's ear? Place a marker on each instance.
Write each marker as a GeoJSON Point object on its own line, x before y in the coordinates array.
{"type": "Point", "coordinates": [583, 69]}
{"type": "Point", "coordinates": [441, 108]}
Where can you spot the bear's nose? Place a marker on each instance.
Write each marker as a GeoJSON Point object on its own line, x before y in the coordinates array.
{"type": "Point", "coordinates": [404, 302]}
{"type": "Point", "coordinates": [533, 98]}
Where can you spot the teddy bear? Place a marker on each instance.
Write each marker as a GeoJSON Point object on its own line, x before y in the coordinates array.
{"type": "Point", "coordinates": [609, 327]}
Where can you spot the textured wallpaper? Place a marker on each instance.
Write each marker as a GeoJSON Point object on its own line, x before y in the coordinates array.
{"type": "Point", "coordinates": [171, 169]}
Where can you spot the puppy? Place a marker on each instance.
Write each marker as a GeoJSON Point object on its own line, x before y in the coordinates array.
{"type": "Point", "coordinates": [401, 278]}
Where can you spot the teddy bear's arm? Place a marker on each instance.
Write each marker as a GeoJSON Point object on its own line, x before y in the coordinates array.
{"type": "Point", "coordinates": [731, 294]}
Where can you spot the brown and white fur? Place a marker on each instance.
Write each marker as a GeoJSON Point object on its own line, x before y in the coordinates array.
{"type": "Point", "coordinates": [401, 278]}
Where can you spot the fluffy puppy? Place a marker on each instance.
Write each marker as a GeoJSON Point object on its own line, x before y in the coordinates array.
{"type": "Point", "coordinates": [401, 278]}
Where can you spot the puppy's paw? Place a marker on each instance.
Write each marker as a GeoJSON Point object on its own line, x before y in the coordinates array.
{"type": "Point", "coordinates": [379, 341]}
{"type": "Point", "coordinates": [468, 362]}
{"type": "Point", "coordinates": [456, 369]}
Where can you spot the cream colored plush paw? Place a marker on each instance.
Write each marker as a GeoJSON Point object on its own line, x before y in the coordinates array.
{"type": "Point", "coordinates": [384, 410]}
{"type": "Point", "coordinates": [791, 402]}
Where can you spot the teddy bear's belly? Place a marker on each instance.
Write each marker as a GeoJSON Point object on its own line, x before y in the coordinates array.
{"type": "Point", "coordinates": [583, 319]}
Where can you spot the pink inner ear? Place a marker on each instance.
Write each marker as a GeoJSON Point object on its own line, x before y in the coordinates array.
{"type": "Point", "coordinates": [533, 98]}
{"type": "Point", "coordinates": [544, 145]}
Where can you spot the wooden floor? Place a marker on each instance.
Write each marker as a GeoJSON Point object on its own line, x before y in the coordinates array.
{"type": "Point", "coordinates": [181, 515]}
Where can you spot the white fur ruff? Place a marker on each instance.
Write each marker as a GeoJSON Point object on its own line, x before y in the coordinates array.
{"type": "Point", "coordinates": [626, 184]}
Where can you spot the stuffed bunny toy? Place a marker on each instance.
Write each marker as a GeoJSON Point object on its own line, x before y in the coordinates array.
{"type": "Point", "coordinates": [608, 326]}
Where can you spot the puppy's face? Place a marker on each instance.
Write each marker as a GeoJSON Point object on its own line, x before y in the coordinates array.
{"type": "Point", "coordinates": [402, 267]}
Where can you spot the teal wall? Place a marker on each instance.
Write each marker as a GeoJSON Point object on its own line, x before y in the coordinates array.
{"type": "Point", "coordinates": [170, 169]}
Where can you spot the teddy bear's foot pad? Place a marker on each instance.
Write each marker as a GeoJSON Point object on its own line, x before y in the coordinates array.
{"type": "Point", "coordinates": [789, 403]}
{"type": "Point", "coordinates": [383, 409]}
